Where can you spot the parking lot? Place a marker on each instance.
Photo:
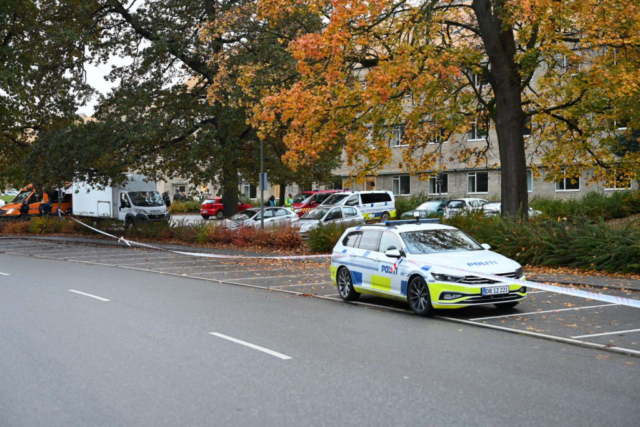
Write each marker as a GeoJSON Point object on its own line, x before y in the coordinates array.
{"type": "Point", "coordinates": [544, 314]}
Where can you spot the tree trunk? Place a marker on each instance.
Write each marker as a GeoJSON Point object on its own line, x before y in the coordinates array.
{"type": "Point", "coordinates": [505, 79]}
{"type": "Point", "coordinates": [283, 187]}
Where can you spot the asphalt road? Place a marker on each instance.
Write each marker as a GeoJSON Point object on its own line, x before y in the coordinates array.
{"type": "Point", "coordinates": [133, 348]}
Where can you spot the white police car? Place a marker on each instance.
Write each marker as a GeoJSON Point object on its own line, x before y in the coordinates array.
{"type": "Point", "coordinates": [410, 262]}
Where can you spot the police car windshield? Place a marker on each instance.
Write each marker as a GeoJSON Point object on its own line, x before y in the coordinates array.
{"type": "Point", "coordinates": [317, 213]}
{"type": "Point", "coordinates": [334, 199]}
{"type": "Point", "coordinates": [438, 241]}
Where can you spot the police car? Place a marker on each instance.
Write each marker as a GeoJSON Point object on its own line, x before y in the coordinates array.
{"type": "Point", "coordinates": [419, 263]}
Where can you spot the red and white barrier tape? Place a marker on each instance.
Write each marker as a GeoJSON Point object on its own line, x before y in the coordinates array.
{"type": "Point", "coordinates": [535, 285]}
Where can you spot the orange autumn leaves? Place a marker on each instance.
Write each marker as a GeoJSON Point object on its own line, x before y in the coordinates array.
{"type": "Point", "coordinates": [380, 63]}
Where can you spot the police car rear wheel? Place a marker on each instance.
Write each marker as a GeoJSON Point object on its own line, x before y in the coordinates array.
{"type": "Point", "coordinates": [418, 296]}
{"type": "Point", "coordinates": [385, 217]}
{"type": "Point", "coordinates": [345, 286]}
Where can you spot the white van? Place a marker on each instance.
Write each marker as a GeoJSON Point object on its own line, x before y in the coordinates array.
{"type": "Point", "coordinates": [134, 202]}
{"type": "Point", "coordinates": [373, 204]}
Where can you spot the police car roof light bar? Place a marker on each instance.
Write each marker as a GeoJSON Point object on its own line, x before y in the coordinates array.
{"type": "Point", "coordinates": [413, 221]}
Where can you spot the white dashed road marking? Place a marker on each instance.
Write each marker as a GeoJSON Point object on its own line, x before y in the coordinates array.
{"type": "Point", "coordinates": [253, 346]}
{"type": "Point", "coordinates": [89, 295]}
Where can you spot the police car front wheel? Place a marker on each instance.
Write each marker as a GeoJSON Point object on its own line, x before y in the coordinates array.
{"type": "Point", "coordinates": [418, 296]}
{"type": "Point", "coordinates": [345, 285]}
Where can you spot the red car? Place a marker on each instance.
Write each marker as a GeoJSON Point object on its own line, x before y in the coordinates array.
{"type": "Point", "coordinates": [213, 207]}
{"type": "Point", "coordinates": [309, 200]}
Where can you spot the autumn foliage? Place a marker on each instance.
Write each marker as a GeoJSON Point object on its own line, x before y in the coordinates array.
{"type": "Point", "coordinates": [573, 68]}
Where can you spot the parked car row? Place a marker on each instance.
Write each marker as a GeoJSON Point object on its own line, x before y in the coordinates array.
{"type": "Point", "coordinates": [312, 208]}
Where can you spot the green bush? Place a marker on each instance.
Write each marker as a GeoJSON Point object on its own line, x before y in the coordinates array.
{"type": "Point", "coordinates": [190, 206]}
{"type": "Point", "coordinates": [44, 225]}
{"type": "Point", "coordinates": [579, 242]}
{"type": "Point", "coordinates": [323, 238]}
{"type": "Point", "coordinates": [593, 205]}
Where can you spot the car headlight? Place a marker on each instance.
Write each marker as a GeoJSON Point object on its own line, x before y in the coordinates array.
{"type": "Point", "coordinates": [446, 277]}
{"type": "Point", "coordinates": [10, 211]}
{"type": "Point", "coordinates": [141, 211]}
{"type": "Point", "coordinates": [519, 272]}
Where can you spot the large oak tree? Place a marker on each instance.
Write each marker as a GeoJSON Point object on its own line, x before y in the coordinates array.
{"type": "Point", "coordinates": [568, 66]}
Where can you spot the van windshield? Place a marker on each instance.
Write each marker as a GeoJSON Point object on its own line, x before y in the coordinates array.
{"type": "Point", "coordinates": [22, 196]}
{"type": "Point", "coordinates": [146, 198]}
{"type": "Point", "coordinates": [335, 199]}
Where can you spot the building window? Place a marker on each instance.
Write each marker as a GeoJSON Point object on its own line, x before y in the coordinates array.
{"type": "Point", "coordinates": [478, 182]}
{"type": "Point", "coordinates": [397, 134]}
{"type": "Point", "coordinates": [250, 191]}
{"type": "Point", "coordinates": [526, 126]}
{"type": "Point", "coordinates": [439, 184]}
{"type": "Point", "coordinates": [402, 185]}
{"type": "Point", "coordinates": [529, 180]}
{"type": "Point", "coordinates": [568, 184]}
{"type": "Point", "coordinates": [370, 183]}
{"type": "Point", "coordinates": [479, 130]}
{"type": "Point", "coordinates": [437, 136]}
{"type": "Point", "coordinates": [620, 182]}
{"type": "Point", "coordinates": [620, 124]}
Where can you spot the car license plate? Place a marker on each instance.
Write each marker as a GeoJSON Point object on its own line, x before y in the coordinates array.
{"type": "Point", "coordinates": [496, 290]}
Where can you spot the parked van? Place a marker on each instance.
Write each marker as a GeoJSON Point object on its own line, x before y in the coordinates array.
{"type": "Point", "coordinates": [32, 202]}
{"type": "Point", "coordinates": [134, 202]}
{"type": "Point", "coordinates": [373, 204]}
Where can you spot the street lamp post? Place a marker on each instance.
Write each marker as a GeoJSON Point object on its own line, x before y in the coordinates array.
{"type": "Point", "coordinates": [262, 183]}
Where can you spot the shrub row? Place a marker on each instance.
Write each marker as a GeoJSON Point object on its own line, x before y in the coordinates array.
{"type": "Point", "coordinates": [593, 205]}
{"type": "Point", "coordinates": [577, 242]}
{"type": "Point", "coordinates": [190, 206]}
{"type": "Point", "coordinates": [574, 242]}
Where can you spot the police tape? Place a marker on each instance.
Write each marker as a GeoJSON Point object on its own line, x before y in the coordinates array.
{"type": "Point", "coordinates": [198, 254]}
{"type": "Point", "coordinates": [535, 285]}
{"type": "Point", "coordinates": [540, 286]}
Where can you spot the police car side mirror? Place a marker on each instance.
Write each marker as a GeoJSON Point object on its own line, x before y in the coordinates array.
{"type": "Point", "coordinates": [393, 253]}
{"type": "Point", "coordinates": [486, 246]}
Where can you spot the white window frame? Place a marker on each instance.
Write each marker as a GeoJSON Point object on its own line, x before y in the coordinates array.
{"type": "Point", "coordinates": [433, 177]}
{"type": "Point", "coordinates": [398, 180]}
{"type": "Point", "coordinates": [474, 132]}
{"type": "Point", "coordinates": [615, 125]}
{"type": "Point", "coordinates": [397, 135]}
{"type": "Point", "coordinates": [616, 188]}
{"type": "Point", "coordinates": [475, 176]}
{"type": "Point", "coordinates": [558, 190]}
{"type": "Point", "coordinates": [529, 174]}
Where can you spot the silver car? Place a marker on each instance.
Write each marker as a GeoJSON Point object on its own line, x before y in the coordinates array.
{"type": "Point", "coordinates": [343, 215]}
{"type": "Point", "coordinates": [273, 217]}
{"type": "Point", "coordinates": [467, 204]}
{"type": "Point", "coordinates": [495, 208]}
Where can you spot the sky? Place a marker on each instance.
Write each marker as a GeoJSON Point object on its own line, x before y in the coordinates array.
{"type": "Point", "coordinates": [96, 78]}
